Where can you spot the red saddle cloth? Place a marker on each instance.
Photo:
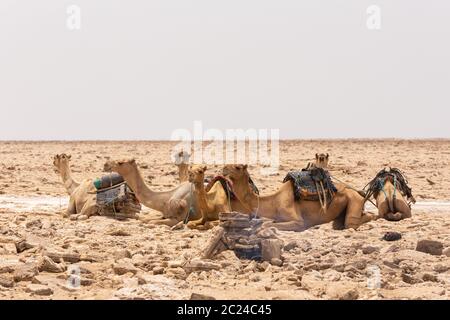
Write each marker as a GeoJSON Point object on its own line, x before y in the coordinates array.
{"type": "Point", "coordinates": [227, 185]}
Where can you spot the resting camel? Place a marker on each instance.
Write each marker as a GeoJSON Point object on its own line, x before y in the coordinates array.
{"type": "Point", "coordinates": [173, 204]}
{"type": "Point", "coordinates": [291, 215]}
{"type": "Point", "coordinates": [321, 161]}
{"type": "Point", "coordinates": [390, 188]}
{"type": "Point", "coordinates": [82, 195]}
{"type": "Point", "coordinates": [182, 162]}
{"type": "Point", "coordinates": [210, 202]}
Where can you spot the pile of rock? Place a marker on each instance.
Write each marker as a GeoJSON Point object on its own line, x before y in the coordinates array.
{"type": "Point", "coordinates": [246, 237]}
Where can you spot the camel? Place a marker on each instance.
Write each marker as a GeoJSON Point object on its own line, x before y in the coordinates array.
{"type": "Point", "coordinates": [82, 195]}
{"type": "Point", "coordinates": [182, 162]}
{"type": "Point", "coordinates": [210, 202]}
{"type": "Point", "coordinates": [174, 204]}
{"type": "Point", "coordinates": [321, 161]}
{"type": "Point", "coordinates": [390, 188]}
{"type": "Point", "coordinates": [290, 215]}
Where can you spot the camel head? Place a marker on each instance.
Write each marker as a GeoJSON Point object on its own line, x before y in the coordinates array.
{"type": "Point", "coordinates": [322, 160]}
{"type": "Point", "coordinates": [197, 174]}
{"type": "Point", "coordinates": [122, 167]}
{"type": "Point", "coordinates": [61, 161]}
{"type": "Point", "coordinates": [235, 171]}
{"type": "Point", "coordinates": [181, 158]}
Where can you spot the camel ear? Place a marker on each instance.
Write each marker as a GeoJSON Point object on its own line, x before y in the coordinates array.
{"type": "Point", "coordinates": [245, 166]}
{"type": "Point", "coordinates": [328, 156]}
{"type": "Point", "coordinates": [317, 156]}
{"type": "Point", "coordinates": [204, 168]}
{"type": "Point", "coordinates": [133, 161]}
{"type": "Point", "coordinates": [69, 156]}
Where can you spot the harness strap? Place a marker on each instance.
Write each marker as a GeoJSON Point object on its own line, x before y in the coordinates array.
{"type": "Point", "coordinates": [395, 186]}
{"type": "Point", "coordinates": [366, 198]}
{"type": "Point", "coordinates": [228, 196]}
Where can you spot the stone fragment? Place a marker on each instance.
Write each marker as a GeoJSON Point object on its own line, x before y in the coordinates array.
{"type": "Point", "coordinates": [430, 246]}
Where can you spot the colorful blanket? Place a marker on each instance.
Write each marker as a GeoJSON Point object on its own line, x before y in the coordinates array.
{"type": "Point", "coordinates": [306, 182]}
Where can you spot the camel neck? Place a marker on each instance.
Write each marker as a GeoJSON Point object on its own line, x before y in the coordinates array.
{"type": "Point", "coordinates": [200, 195]}
{"type": "Point", "coordinates": [245, 193]}
{"type": "Point", "coordinates": [183, 172]}
{"type": "Point", "coordinates": [69, 183]}
{"type": "Point", "coordinates": [148, 197]}
{"type": "Point", "coordinates": [260, 205]}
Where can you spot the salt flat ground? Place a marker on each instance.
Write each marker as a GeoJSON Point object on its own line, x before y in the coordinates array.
{"type": "Point", "coordinates": [135, 259]}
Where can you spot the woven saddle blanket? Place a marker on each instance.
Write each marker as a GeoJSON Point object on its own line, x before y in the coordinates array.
{"type": "Point", "coordinates": [305, 184]}
{"type": "Point", "coordinates": [113, 194]}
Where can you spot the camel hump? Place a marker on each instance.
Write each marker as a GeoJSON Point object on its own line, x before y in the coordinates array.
{"type": "Point", "coordinates": [226, 183]}
{"type": "Point", "coordinates": [108, 181]}
{"type": "Point", "coordinates": [308, 183]}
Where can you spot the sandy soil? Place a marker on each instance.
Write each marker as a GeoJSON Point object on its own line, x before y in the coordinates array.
{"type": "Point", "coordinates": [135, 259]}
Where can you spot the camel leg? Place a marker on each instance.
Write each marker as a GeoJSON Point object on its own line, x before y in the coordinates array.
{"type": "Point", "coordinates": [89, 209]}
{"type": "Point", "coordinates": [403, 211]}
{"type": "Point", "coordinates": [367, 217]}
{"type": "Point", "coordinates": [403, 208]}
{"type": "Point", "coordinates": [167, 222]}
{"type": "Point", "coordinates": [353, 214]}
{"type": "Point", "coordinates": [287, 226]}
{"type": "Point", "coordinates": [195, 223]}
{"type": "Point", "coordinates": [338, 223]}
{"type": "Point", "coordinates": [211, 224]}
{"type": "Point", "coordinates": [293, 221]}
{"type": "Point", "coordinates": [71, 209]}
{"type": "Point", "coordinates": [393, 216]}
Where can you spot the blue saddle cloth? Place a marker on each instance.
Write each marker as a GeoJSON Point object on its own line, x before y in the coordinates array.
{"type": "Point", "coordinates": [304, 183]}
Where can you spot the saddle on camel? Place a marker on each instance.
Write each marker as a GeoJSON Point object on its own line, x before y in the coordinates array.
{"type": "Point", "coordinates": [289, 214]}
{"type": "Point", "coordinates": [108, 195]}
{"type": "Point", "coordinates": [390, 188]}
{"type": "Point", "coordinates": [114, 195]}
{"type": "Point", "coordinates": [312, 184]}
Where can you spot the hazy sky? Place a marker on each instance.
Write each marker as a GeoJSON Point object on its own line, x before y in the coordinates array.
{"type": "Point", "coordinates": [139, 69]}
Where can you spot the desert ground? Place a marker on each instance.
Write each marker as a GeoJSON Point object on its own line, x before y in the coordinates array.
{"type": "Point", "coordinates": [135, 259]}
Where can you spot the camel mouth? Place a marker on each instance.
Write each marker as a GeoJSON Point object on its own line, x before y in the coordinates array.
{"type": "Point", "coordinates": [193, 178]}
